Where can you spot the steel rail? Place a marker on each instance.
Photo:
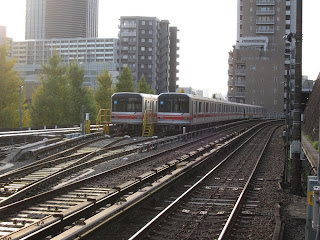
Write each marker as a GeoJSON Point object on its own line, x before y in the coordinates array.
{"type": "Point", "coordinates": [226, 229]}
{"type": "Point", "coordinates": [164, 212]}
{"type": "Point", "coordinates": [6, 210]}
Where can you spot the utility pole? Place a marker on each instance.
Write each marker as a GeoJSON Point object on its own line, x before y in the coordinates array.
{"type": "Point", "coordinates": [296, 130]}
{"type": "Point", "coordinates": [20, 107]}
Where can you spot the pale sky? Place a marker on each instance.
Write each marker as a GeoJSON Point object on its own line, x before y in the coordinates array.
{"type": "Point", "coordinates": [207, 33]}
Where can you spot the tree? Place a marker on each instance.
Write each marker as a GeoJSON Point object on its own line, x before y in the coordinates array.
{"type": "Point", "coordinates": [10, 90]}
{"type": "Point", "coordinates": [79, 95]}
{"type": "Point", "coordinates": [143, 86]}
{"type": "Point", "coordinates": [104, 91]}
{"type": "Point", "coordinates": [218, 96]}
{"type": "Point", "coordinates": [125, 81]}
{"type": "Point", "coordinates": [51, 101]}
{"type": "Point", "coordinates": [181, 90]}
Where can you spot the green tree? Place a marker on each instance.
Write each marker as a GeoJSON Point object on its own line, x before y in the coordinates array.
{"type": "Point", "coordinates": [10, 83]}
{"type": "Point", "coordinates": [143, 86]}
{"type": "Point", "coordinates": [79, 95]}
{"type": "Point", "coordinates": [125, 81]}
{"type": "Point", "coordinates": [51, 101]}
{"type": "Point", "coordinates": [104, 91]}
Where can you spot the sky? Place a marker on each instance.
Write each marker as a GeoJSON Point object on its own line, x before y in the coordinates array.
{"type": "Point", "coordinates": [207, 33]}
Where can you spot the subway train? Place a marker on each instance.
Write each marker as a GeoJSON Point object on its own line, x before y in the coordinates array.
{"type": "Point", "coordinates": [172, 111]}
{"type": "Point", "coordinates": [176, 110]}
{"type": "Point", "coordinates": [128, 108]}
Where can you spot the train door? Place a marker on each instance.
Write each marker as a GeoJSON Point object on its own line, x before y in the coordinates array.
{"type": "Point", "coordinates": [195, 111]}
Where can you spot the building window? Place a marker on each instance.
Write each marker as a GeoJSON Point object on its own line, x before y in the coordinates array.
{"type": "Point", "coordinates": [149, 66]}
{"type": "Point", "coordinates": [150, 23]}
{"type": "Point", "coordinates": [143, 49]}
{"type": "Point", "coordinates": [143, 22]}
{"type": "Point", "coordinates": [142, 65]}
{"type": "Point", "coordinates": [253, 67]}
{"type": "Point", "coordinates": [150, 40]}
{"type": "Point", "coordinates": [150, 31]}
{"type": "Point", "coordinates": [143, 31]}
{"type": "Point", "coordinates": [150, 49]}
{"type": "Point", "coordinates": [149, 57]}
{"type": "Point", "coordinates": [143, 40]}
{"type": "Point", "coordinates": [142, 57]}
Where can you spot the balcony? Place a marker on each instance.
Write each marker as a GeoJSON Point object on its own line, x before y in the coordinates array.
{"type": "Point", "coordinates": [265, 31]}
{"type": "Point", "coordinates": [267, 21]}
{"type": "Point", "coordinates": [240, 72]}
{"type": "Point", "coordinates": [128, 34]}
{"type": "Point", "coordinates": [240, 83]}
{"type": "Point", "coordinates": [128, 26]}
{"type": "Point", "coordinates": [240, 94]}
{"type": "Point", "coordinates": [265, 2]}
{"type": "Point", "coordinates": [265, 12]}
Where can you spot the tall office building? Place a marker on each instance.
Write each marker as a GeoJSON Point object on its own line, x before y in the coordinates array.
{"type": "Point", "coordinates": [3, 37]}
{"type": "Point", "coordinates": [61, 19]}
{"type": "Point", "coordinates": [145, 47]}
{"type": "Point", "coordinates": [258, 61]}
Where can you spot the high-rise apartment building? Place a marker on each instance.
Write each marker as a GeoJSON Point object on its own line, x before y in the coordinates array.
{"type": "Point", "coordinates": [173, 78]}
{"type": "Point", "coordinates": [258, 61]}
{"type": "Point", "coordinates": [61, 19]}
{"type": "Point", "coordinates": [146, 46]}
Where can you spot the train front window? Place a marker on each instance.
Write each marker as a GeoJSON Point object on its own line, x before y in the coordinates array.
{"type": "Point", "coordinates": [126, 103]}
{"type": "Point", "coordinates": [178, 104]}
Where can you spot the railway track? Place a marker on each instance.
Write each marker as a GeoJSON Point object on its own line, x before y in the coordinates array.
{"type": "Point", "coordinates": [208, 208]}
{"type": "Point", "coordinates": [18, 183]}
{"type": "Point", "coordinates": [47, 209]}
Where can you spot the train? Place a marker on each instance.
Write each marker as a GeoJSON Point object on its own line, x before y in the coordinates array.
{"type": "Point", "coordinates": [172, 111]}
{"type": "Point", "coordinates": [128, 108]}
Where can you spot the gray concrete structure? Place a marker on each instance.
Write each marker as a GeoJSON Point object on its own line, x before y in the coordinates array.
{"type": "Point", "coordinates": [61, 19]}
{"type": "Point", "coordinates": [144, 46]}
{"type": "Point", "coordinates": [258, 61]}
{"type": "Point", "coordinates": [94, 54]}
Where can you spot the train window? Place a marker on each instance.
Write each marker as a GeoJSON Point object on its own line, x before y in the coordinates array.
{"type": "Point", "coordinates": [125, 103]}
{"type": "Point", "coordinates": [172, 103]}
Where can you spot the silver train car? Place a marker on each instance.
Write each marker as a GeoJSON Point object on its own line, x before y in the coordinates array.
{"type": "Point", "coordinates": [128, 108]}
{"type": "Point", "coordinates": [181, 109]}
